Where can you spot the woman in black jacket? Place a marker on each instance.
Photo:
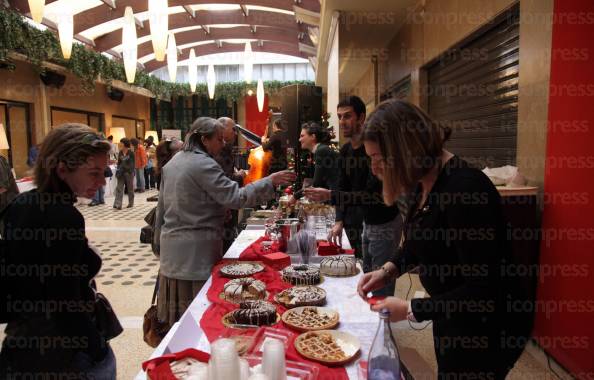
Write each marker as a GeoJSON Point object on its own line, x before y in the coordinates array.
{"type": "Point", "coordinates": [316, 138]}
{"type": "Point", "coordinates": [48, 291]}
{"type": "Point", "coordinates": [455, 234]}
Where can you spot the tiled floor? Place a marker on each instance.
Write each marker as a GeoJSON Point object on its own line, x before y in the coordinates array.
{"type": "Point", "coordinates": [129, 271]}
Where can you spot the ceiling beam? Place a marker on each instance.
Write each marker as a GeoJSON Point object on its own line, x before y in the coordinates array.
{"type": "Point", "coordinates": [267, 34]}
{"type": "Point", "coordinates": [269, 47]}
{"type": "Point", "coordinates": [99, 15]}
{"type": "Point", "coordinates": [190, 11]}
{"type": "Point", "coordinates": [110, 3]}
{"type": "Point", "coordinates": [181, 20]}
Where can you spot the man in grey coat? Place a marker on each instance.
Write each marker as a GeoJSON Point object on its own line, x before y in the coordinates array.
{"type": "Point", "coordinates": [189, 224]}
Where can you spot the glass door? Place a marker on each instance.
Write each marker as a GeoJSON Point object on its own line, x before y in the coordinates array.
{"type": "Point", "coordinates": [15, 118]}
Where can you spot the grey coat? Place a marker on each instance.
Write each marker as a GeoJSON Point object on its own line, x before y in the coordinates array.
{"type": "Point", "coordinates": [192, 200]}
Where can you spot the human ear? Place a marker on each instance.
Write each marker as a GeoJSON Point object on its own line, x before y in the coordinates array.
{"type": "Point", "coordinates": [61, 170]}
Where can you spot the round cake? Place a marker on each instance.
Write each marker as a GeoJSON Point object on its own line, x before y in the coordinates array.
{"type": "Point", "coordinates": [302, 296]}
{"type": "Point", "coordinates": [302, 274]}
{"type": "Point", "coordinates": [339, 266]}
{"type": "Point", "coordinates": [255, 313]}
{"type": "Point", "coordinates": [245, 288]}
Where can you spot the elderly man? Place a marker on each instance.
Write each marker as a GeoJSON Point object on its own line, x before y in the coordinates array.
{"type": "Point", "coordinates": [227, 162]}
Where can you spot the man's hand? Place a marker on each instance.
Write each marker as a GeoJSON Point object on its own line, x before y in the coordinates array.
{"type": "Point", "coordinates": [242, 173]}
{"type": "Point", "coordinates": [335, 235]}
{"type": "Point", "coordinates": [3, 190]}
{"type": "Point", "coordinates": [317, 194]}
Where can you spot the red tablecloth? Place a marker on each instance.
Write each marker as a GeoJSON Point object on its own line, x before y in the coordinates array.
{"type": "Point", "coordinates": [211, 321]}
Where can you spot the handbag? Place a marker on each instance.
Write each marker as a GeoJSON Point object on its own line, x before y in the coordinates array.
{"type": "Point", "coordinates": [153, 330]}
{"type": "Point", "coordinates": [106, 320]}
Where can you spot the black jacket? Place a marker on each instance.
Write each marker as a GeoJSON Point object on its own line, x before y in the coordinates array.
{"type": "Point", "coordinates": [47, 285]}
{"type": "Point", "coordinates": [458, 241]}
{"type": "Point", "coordinates": [325, 168]}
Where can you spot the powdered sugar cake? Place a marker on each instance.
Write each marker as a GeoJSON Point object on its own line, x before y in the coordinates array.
{"type": "Point", "coordinates": [241, 269]}
{"type": "Point", "coordinates": [301, 296]}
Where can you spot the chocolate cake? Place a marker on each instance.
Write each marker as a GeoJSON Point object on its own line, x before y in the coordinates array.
{"type": "Point", "coordinates": [302, 274]}
{"type": "Point", "coordinates": [256, 313]}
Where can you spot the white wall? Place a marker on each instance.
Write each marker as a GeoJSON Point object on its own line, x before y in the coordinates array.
{"type": "Point", "coordinates": [333, 88]}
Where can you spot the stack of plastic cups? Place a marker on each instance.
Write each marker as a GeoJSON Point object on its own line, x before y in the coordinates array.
{"type": "Point", "coordinates": [224, 361]}
{"type": "Point", "coordinates": [273, 360]}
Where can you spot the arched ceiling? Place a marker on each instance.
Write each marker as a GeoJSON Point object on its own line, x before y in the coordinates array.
{"type": "Point", "coordinates": [213, 48]}
{"type": "Point", "coordinates": [201, 22]}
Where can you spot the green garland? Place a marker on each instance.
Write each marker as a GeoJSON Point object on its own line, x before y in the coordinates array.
{"type": "Point", "coordinates": [16, 35]}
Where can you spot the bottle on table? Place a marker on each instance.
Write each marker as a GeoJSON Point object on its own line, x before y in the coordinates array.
{"type": "Point", "coordinates": [383, 362]}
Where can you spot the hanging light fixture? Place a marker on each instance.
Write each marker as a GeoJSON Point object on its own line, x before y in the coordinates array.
{"type": "Point", "coordinates": [192, 71]}
{"type": "Point", "coordinates": [248, 62]}
{"type": "Point", "coordinates": [211, 81]}
{"type": "Point", "coordinates": [36, 8]}
{"type": "Point", "coordinates": [172, 57]}
{"type": "Point", "coordinates": [129, 43]}
{"type": "Point", "coordinates": [65, 31]}
{"type": "Point", "coordinates": [159, 22]}
{"type": "Point", "coordinates": [260, 95]}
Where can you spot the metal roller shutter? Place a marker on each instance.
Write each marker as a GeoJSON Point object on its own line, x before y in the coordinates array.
{"type": "Point", "coordinates": [474, 90]}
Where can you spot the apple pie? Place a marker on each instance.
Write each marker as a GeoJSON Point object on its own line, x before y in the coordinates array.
{"type": "Point", "coordinates": [310, 318]}
{"type": "Point", "coordinates": [320, 346]}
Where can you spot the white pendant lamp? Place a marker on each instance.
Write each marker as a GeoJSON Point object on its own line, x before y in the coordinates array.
{"type": "Point", "coordinates": [159, 22]}
{"type": "Point", "coordinates": [172, 57]}
{"type": "Point", "coordinates": [65, 31]}
{"type": "Point", "coordinates": [192, 71]}
{"type": "Point", "coordinates": [129, 43]}
{"type": "Point", "coordinates": [3, 140]}
{"type": "Point", "coordinates": [36, 8]}
{"type": "Point", "coordinates": [211, 81]}
{"type": "Point", "coordinates": [260, 95]}
{"type": "Point", "coordinates": [248, 62]}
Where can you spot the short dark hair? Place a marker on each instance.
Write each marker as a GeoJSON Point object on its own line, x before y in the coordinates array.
{"type": "Point", "coordinates": [110, 138]}
{"type": "Point", "coordinates": [126, 142]}
{"type": "Point", "coordinates": [355, 102]}
{"type": "Point", "coordinates": [134, 141]}
{"type": "Point", "coordinates": [321, 133]}
{"type": "Point", "coordinates": [279, 124]}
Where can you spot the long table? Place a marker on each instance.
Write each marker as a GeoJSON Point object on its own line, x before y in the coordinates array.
{"type": "Point", "coordinates": [355, 315]}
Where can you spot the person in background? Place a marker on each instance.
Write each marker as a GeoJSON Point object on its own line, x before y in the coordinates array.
{"type": "Point", "coordinates": [195, 192]}
{"type": "Point", "coordinates": [149, 175]}
{"type": "Point", "coordinates": [316, 138]}
{"type": "Point", "coordinates": [124, 174]}
{"type": "Point", "coordinates": [164, 152]}
{"type": "Point", "coordinates": [459, 246]}
{"type": "Point", "coordinates": [113, 152]}
{"type": "Point", "coordinates": [8, 186]}
{"type": "Point", "coordinates": [227, 161]}
{"type": "Point", "coordinates": [277, 143]}
{"type": "Point", "coordinates": [51, 312]}
{"type": "Point", "coordinates": [32, 157]}
{"type": "Point", "coordinates": [371, 226]}
{"type": "Point", "coordinates": [140, 160]}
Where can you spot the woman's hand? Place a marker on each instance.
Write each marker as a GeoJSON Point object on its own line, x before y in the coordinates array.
{"type": "Point", "coordinates": [398, 308]}
{"type": "Point", "coordinates": [284, 177]}
{"type": "Point", "coordinates": [371, 281]}
{"type": "Point", "coordinates": [317, 194]}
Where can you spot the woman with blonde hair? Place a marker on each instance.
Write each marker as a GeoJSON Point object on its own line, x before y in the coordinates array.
{"type": "Point", "coordinates": [455, 234]}
{"type": "Point", "coordinates": [49, 299]}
